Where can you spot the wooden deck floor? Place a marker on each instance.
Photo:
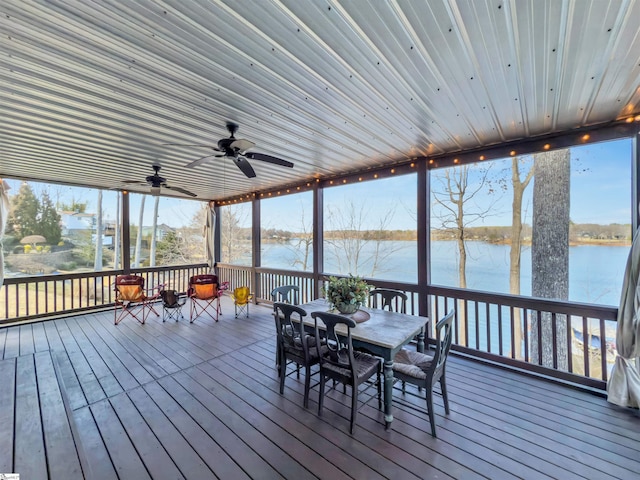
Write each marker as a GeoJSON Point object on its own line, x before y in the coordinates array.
{"type": "Point", "coordinates": [82, 398]}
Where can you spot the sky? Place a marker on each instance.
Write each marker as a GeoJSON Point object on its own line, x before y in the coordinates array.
{"type": "Point", "coordinates": [600, 193]}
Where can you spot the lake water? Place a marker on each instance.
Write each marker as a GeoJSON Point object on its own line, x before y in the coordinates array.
{"type": "Point", "coordinates": [595, 272]}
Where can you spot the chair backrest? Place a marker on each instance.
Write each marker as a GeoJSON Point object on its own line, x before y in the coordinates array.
{"type": "Point", "coordinates": [387, 299]}
{"type": "Point", "coordinates": [241, 295]}
{"type": "Point", "coordinates": [290, 333]}
{"type": "Point", "coordinates": [129, 288]}
{"type": "Point", "coordinates": [203, 286]}
{"type": "Point", "coordinates": [444, 336]}
{"type": "Point", "coordinates": [286, 294]}
{"type": "Point", "coordinates": [169, 298]}
{"type": "Point", "coordinates": [339, 348]}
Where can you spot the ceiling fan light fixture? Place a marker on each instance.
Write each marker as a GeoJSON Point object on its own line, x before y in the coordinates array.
{"type": "Point", "coordinates": [155, 191]}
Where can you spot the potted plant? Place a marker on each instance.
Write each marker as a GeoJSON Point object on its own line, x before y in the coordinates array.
{"type": "Point", "coordinates": [347, 294]}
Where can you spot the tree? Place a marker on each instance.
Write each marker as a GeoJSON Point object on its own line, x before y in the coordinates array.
{"type": "Point", "coordinates": [456, 196]}
{"type": "Point", "coordinates": [169, 250]}
{"type": "Point", "coordinates": [73, 206]}
{"type": "Point", "coordinates": [232, 235]}
{"type": "Point", "coordinates": [356, 249]}
{"type": "Point", "coordinates": [48, 220]}
{"type": "Point", "coordinates": [136, 261]}
{"type": "Point", "coordinates": [23, 219]}
{"type": "Point", "coordinates": [550, 251]}
{"type": "Point", "coordinates": [97, 264]}
{"type": "Point", "coordinates": [116, 240]}
{"type": "Point", "coordinates": [515, 253]}
{"type": "Point", "coordinates": [154, 234]}
{"type": "Point", "coordinates": [303, 243]}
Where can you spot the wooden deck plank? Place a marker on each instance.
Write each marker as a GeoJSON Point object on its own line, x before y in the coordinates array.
{"type": "Point", "coordinates": [29, 454]}
{"type": "Point", "coordinates": [235, 422]}
{"type": "Point", "coordinates": [228, 439]}
{"type": "Point", "coordinates": [116, 354]}
{"type": "Point", "coordinates": [7, 411]}
{"type": "Point", "coordinates": [221, 414]}
{"type": "Point", "coordinates": [357, 460]}
{"type": "Point", "coordinates": [552, 442]}
{"type": "Point", "coordinates": [88, 380]}
{"type": "Point", "coordinates": [574, 411]}
{"type": "Point", "coordinates": [154, 363]}
{"type": "Point", "coordinates": [53, 337]}
{"type": "Point", "coordinates": [171, 334]}
{"type": "Point", "coordinates": [26, 340]}
{"type": "Point", "coordinates": [156, 347]}
{"type": "Point", "coordinates": [69, 380]}
{"type": "Point", "coordinates": [122, 453]}
{"type": "Point", "coordinates": [155, 458]}
{"type": "Point", "coordinates": [3, 340]}
{"type": "Point", "coordinates": [100, 369]}
{"type": "Point", "coordinates": [199, 440]}
{"type": "Point", "coordinates": [62, 457]}
{"type": "Point", "coordinates": [96, 461]}
{"type": "Point", "coordinates": [40, 341]}
{"type": "Point", "coordinates": [185, 458]}
{"type": "Point", "coordinates": [409, 452]}
{"type": "Point", "coordinates": [114, 363]}
{"type": "Point", "coordinates": [12, 343]}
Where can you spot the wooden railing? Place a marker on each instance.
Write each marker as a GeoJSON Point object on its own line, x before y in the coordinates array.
{"type": "Point", "coordinates": [25, 298]}
{"type": "Point", "coordinates": [487, 324]}
{"type": "Point", "coordinates": [505, 329]}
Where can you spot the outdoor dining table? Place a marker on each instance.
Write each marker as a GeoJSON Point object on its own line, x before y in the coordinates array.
{"type": "Point", "coordinates": [383, 335]}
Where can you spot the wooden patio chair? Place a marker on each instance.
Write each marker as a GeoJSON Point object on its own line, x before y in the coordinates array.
{"type": "Point", "coordinates": [130, 293]}
{"type": "Point", "coordinates": [386, 299]}
{"type": "Point", "coordinates": [424, 370]}
{"type": "Point", "coordinates": [293, 345]}
{"type": "Point", "coordinates": [286, 294]}
{"type": "Point", "coordinates": [341, 363]}
{"type": "Point", "coordinates": [203, 292]}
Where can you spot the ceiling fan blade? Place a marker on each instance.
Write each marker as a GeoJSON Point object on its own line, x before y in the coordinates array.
{"type": "Point", "coordinates": [134, 182]}
{"type": "Point", "coordinates": [268, 158]}
{"type": "Point", "coordinates": [181, 190]}
{"type": "Point", "coordinates": [241, 145]}
{"type": "Point", "coordinates": [187, 145]}
{"type": "Point", "coordinates": [200, 161]}
{"type": "Point", "coordinates": [243, 165]}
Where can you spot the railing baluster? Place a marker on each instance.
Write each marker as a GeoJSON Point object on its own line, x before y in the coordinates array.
{"type": "Point", "coordinates": [586, 340]}
{"type": "Point", "coordinates": [603, 350]}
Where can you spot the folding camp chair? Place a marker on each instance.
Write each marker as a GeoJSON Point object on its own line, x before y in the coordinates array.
{"type": "Point", "coordinates": [241, 298]}
{"type": "Point", "coordinates": [203, 292]}
{"type": "Point", "coordinates": [172, 305]}
{"type": "Point", "coordinates": [130, 293]}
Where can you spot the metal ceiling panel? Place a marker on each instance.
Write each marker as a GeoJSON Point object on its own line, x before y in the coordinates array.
{"type": "Point", "coordinates": [91, 92]}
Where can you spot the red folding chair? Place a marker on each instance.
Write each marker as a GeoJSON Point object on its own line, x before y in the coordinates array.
{"type": "Point", "coordinates": [130, 293]}
{"type": "Point", "coordinates": [203, 291]}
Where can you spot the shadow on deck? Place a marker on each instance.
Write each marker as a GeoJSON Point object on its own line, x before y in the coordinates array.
{"type": "Point", "coordinates": [82, 398]}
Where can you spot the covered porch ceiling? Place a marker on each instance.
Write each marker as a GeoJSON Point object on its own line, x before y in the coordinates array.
{"type": "Point", "coordinates": [91, 91]}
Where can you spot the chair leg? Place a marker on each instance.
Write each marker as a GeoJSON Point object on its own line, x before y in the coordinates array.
{"type": "Point", "coordinates": [445, 397]}
{"type": "Point", "coordinates": [283, 373]}
{"type": "Point", "coordinates": [321, 395]}
{"type": "Point", "coordinates": [379, 391]}
{"type": "Point", "coordinates": [432, 417]}
{"type": "Point", "coordinates": [354, 406]}
{"type": "Point", "coordinates": [307, 385]}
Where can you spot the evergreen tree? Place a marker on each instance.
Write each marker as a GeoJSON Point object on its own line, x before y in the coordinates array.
{"type": "Point", "coordinates": [48, 220]}
{"type": "Point", "coordinates": [24, 215]}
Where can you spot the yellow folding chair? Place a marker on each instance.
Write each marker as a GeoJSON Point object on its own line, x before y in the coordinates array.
{"type": "Point", "coordinates": [241, 299]}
